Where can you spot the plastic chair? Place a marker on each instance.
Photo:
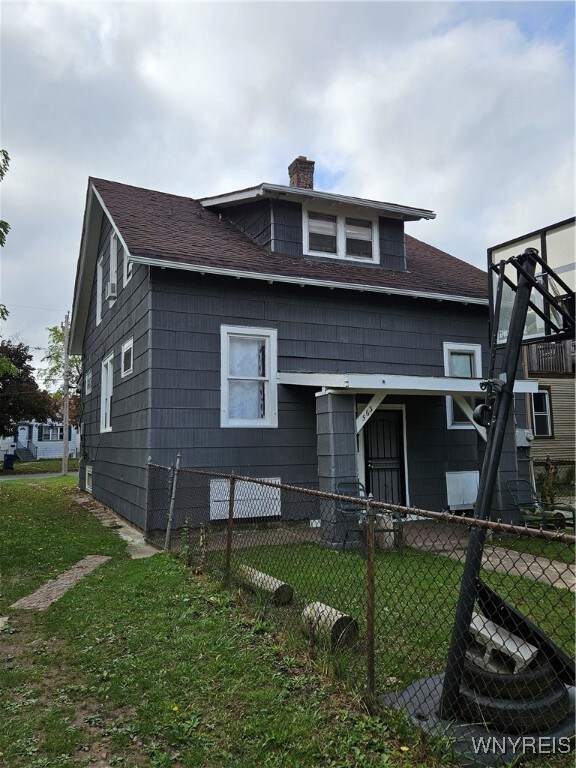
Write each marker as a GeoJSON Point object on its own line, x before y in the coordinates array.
{"type": "Point", "coordinates": [533, 511]}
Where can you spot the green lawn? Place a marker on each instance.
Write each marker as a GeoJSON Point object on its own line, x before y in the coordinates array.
{"type": "Point", "coordinates": [143, 664]}
{"type": "Point", "coordinates": [39, 467]}
{"type": "Point", "coordinates": [416, 595]}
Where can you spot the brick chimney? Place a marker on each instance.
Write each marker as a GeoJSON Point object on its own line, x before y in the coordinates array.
{"type": "Point", "coordinates": [301, 173]}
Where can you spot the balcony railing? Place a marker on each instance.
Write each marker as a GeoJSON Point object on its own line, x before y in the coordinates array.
{"type": "Point", "coordinates": [551, 357]}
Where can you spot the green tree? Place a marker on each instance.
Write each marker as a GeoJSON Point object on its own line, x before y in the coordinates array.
{"type": "Point", "coordinates": [53, 374]}
{"type": "Point", "coordinates": [6, 367]}
{"type": "Point", "coordinates": [21, 399]}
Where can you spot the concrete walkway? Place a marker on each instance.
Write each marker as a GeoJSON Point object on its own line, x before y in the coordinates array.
{"type": "Point", "coordinates": [53, 590]}
{"type": "Point", "coordinates": [452, 541]}
{"type": "Point", "coordinates": [138, 548]}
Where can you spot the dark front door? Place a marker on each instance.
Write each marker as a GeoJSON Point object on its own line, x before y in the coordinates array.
{"type": "Point", "coordinates": [384, 452]}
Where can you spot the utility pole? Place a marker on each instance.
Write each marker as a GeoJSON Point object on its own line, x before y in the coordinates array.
{"type": "Point", "coordinates": [65, 398]}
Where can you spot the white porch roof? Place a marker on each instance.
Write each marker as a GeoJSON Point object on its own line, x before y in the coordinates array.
{"type": "Point", "coordinates": [394, 384]}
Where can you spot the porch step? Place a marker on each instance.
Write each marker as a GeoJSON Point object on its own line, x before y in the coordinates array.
{"type": "Point", "coordinates": [24, 454]}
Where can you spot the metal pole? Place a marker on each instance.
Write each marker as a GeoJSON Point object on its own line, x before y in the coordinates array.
{"type": "Point", "coordinates": [66, 397]}
{"type": "Point", "coordinates": [172, 500]}
{"type": "Point", "coordinates": [230, 529]}
{"type": "Point", "coordinates": [468, 588]}
{"type": "Point", "coordinates": [370, 605]}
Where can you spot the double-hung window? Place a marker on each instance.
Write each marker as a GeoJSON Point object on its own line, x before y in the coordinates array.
{"type": "Point", "coordinates": [248, 377]}
{"type": "Point", "coordinates": [542, 413]}
{"type": "Point", "coordinates": [339, 236]}
{"type": "Point", "coordinates": [461, 361]}
{"type": "Point", "coordinates": [106, 387]}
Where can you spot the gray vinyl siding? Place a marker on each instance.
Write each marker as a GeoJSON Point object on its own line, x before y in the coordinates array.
{"type": "Point", "coordinates": [392, 244]}
{"type": "Point", "coordinates": [254, 219]}
{"type": "Point", "coordinates": [318, 331]}
{"type": "Point", "coordinates": [118, 458]}
{"type": "Point", "coordinates": [287, 219]}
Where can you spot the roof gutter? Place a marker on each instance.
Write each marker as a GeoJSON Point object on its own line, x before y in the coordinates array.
{"type": "Point", "coordinates": [304, 281]}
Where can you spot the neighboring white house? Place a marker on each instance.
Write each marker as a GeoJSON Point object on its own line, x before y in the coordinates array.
{"type": "Point", "coordinates": [33, 441]}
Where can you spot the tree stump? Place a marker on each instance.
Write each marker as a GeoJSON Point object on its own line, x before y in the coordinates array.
{"type": "Point", "coordinates": [320, 621]}
{"type": "Point", "coordinates": [280, 593]}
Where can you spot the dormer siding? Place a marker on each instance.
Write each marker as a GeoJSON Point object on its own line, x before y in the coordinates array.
{"type": "Point", "coordinates": [254, 219]}
{"type": "Point", "coordinates": [277, 225]}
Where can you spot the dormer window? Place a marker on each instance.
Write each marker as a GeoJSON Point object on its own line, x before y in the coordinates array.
{"type": "Point", "coordinates": [340, 236]}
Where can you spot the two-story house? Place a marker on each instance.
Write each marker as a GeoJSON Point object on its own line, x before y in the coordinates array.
{"type": "Point", "coordinates": [278, 332]}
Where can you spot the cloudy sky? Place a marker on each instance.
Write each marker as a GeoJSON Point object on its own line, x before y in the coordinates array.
{"type": "Point", "coordinates": [466, 108]}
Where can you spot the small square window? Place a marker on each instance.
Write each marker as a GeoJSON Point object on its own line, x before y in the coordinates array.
{"type": "Point", "coordinates": [127, 358]}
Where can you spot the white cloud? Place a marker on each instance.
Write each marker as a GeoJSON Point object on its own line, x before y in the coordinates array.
{"type": "Point", "coordinates": [465, 108]}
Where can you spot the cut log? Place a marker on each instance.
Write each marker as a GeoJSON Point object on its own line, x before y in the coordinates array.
{"type": "Point", "coordinates": [321, 622]}
{"type": "Point", "coordinates": [280, 593]}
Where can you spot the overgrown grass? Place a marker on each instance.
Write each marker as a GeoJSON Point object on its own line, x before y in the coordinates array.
{"type": "Point", "coordinates": [38, 467]}
{"type": "Point", "coordinates": [143, 664]}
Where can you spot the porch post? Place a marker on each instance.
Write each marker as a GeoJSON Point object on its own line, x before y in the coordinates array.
{"type": "Point", "coordinates": [337, 449]}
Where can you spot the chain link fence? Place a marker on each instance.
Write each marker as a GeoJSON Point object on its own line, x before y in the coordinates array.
{"type": "Point", "coordinates": [555, 481]}
{"type": "Point", "coordinates": [372, 589]}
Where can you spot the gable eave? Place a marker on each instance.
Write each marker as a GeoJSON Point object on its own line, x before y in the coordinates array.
{"type": "Point", "coordinates": [303, 282]}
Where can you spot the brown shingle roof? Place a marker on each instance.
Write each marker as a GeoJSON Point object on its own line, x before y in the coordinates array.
{"type": "Point", "coordinates": [178, 229]}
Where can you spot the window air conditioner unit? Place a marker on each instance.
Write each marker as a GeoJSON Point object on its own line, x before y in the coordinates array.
{"type": "Point", "coordinates": [110, 291]}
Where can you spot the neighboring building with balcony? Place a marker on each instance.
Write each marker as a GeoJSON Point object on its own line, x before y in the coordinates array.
{"type": "Point", "coordinates": [553, 406]}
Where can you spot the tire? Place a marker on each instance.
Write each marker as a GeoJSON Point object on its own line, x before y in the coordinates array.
{"type": "Point", "coordinates": [517, 715]}
{"type": "Point", "coordinates": [534, 681]}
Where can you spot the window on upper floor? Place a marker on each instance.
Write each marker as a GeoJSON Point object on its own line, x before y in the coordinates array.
{"type": "Point", "coordinates": [542, 414]}
{"type": "Point", "coordinates": [112, 287]}
{"type": "Point", "coordinates": [461, 361]}
{"type": "Point", "coordinates": [340, 236]}
{"type": "Point", "coordinates": [127, 360]}
{"type": "Point", "coordinates": [248, 377]}
{"type": "Point", "coordinates": [106, 387]}
{"type": "Point", "coordinates": [127, 268]}
{"type": "Point", "coordinates": [99, 288]}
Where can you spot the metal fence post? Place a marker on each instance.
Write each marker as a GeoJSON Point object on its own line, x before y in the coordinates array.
{"type": "Point", "coordinates": [370, 603]}
{"type": "Point", "coordinates": [230, 529]}
{"type": "Point", "coordinates": [172, 500]}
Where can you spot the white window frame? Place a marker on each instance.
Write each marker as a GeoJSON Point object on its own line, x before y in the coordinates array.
{"type": "Point", "coordinates": [106, 390]}
{"type": "Point", "coordinates": [88, 382]}
{"type": "Point", "coordinates": [547, 413]}
{"type": "Point", "coordinates": [270, 419]}
{"type": "Point", "coordinates": [340, 233]}
{"type": "Point", "coordinates": [127, 267]}
{"type": "Point", "coordinates": [128, 345]}
{"type": "Point", "coordinates": [113, 262]}
{"type": "Point", "coordinates": [99, 288]}
{"type": "Point", "coordinates": [476, 351]}
{"type": "Point", "coordinates": [88, 478]}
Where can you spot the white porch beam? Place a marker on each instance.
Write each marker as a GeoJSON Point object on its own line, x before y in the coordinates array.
{"type": "Point", "coordinates": [394, 384]}
{"type": "Point", "coordinates": [369, 410]}
{"type": "Point", "coordinates": [468, 412]}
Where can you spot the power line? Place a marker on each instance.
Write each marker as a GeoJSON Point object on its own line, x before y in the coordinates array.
{"type": "Point", "coordinates": [44, 309]}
